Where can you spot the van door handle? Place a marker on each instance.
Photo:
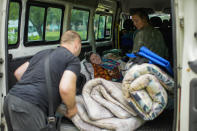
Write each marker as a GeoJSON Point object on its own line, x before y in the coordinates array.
{"type": "Point", "coordinates": [193, 65]}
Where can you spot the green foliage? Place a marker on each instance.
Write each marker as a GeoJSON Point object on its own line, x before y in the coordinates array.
{"type": "Point", "coordinates": [12, 38]}
{"type": "Point", "coordinates": [83, 34]}
{"type": "Point", "coordinates": [79, 22]}
{"type": "Point", "coordinates": [14, 11]}
{"type": "Point", "coordinates": [54, 16]}
{"type": "Point", "coordinates": [33, 38]}
{"type": "Point", "coordinates": [36, 16]}
{"type": "Point", "coordinates": [13, 16]}
{"type": "Point", "coordinates": [102, 25]}
{"type": "Point", "coordinates": [76, 17]}
{"type": "Point", "coordinates": [37, 19]}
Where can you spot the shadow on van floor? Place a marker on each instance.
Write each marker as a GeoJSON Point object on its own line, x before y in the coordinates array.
{"type": "Point", "coordinates": [164, 122]}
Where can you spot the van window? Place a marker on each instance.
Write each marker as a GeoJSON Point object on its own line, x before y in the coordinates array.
{"type": "Point", "coordinates": [35, 23]}
{"type": "Point", "coordinates": [108, 27]}
{"type": "Point", "coordinates": [13, 24]}
{"type": "Point", "coordinates": [53, 24]}
{"type": "Point", "coordinates": [161, 15]}
{"type": "Point", "coordinates": [79, 22]}
{"type": "Point", "coordinates": [102, 27]}
{"type": "Point", "coordinates": [44, 24]}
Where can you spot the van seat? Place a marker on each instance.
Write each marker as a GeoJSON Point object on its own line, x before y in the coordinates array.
{"type": "Point", "coordinates": [126, 36]}
{"type": "Point", "coordinates": [156, 21]}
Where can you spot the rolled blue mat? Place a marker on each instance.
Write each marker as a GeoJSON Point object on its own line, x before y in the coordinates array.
{"type": "Point", "coordinates": [153, 58]}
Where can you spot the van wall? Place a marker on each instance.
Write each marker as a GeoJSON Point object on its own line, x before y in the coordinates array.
{"type": "Point", "coordinates": [3, 61]}
{"type": "Point", "coordinates": [21, 52]}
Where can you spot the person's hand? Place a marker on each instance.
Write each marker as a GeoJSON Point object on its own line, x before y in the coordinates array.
{"type": "Point", "coordinates": [71, 112]}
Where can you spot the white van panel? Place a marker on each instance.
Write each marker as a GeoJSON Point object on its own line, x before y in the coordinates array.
{"type": "Point", "coordinates": [3, 6]}
{"type": "Point", "coordinates": [187, 51]}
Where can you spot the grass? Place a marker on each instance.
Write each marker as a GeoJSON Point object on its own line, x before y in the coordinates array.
{"type": "Point", "coordinates": [50, 36]}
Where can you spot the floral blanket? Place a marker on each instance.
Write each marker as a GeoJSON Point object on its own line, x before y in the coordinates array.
{"type": "Point", "coordinates": [145, 87]}
{"type": "Point", "coordinates": [108, 70]}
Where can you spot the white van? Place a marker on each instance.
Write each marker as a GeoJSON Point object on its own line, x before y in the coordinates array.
{"type": "Point", "coordinates": [40, 24]}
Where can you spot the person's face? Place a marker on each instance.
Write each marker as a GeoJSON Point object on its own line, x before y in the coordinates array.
{"type": "Point", "coordinates": [138, 22]}
{"type": "Point", "coordinates": [95, 58]}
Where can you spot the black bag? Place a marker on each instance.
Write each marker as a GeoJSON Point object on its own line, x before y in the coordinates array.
{"type": "Point", "coordinates": [52, 124]}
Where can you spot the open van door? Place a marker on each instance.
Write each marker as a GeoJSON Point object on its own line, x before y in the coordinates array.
{"type": "Point", "coordinates": [186, 35]}
{"type": "Point", "coordinates": [3, 52]}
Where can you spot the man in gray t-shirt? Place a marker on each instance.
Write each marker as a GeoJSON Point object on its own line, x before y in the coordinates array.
{"type": "Point", "coordinates": [26, 105]}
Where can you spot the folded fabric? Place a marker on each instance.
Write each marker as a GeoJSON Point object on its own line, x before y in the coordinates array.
{"type": "Point", "coordinates": [112, 68]}
{"type": "Point", "coordinates": [87, 69]}
{"type": "Point", "coordinates": [102, 107]}
{"type": "Point", "coordinates": [105, 89]}
{"type": "Point", "coordinates": [83, 122]}
{"type": "Point", "coordinates": [111, 56]}
{"type": "Point", "coordinates": [144, 87]}
{"type": "Point", "coordinates": [109, 64]}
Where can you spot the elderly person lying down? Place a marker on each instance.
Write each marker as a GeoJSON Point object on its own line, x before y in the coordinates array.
{"type": "Point", "coordinates": [101, 68]}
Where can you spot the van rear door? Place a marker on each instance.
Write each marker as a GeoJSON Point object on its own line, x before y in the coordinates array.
{"type": "Point", "coordinates": [3, 52]}
{"type": "Point", "coordinates": [186, 33]}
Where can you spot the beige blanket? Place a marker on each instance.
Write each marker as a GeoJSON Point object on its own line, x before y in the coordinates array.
{"type": "Point", "coordinates": [103, 107]}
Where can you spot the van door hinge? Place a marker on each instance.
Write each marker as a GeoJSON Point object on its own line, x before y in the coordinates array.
{"type": "Point", "coordinates": [1, 74]}
{"type": "Point", "coordinates": [195, 35]}
{"type": "Point", "coordinates": [182, 22]}
{"type": "Point", "coordinates": [1, 61]}
{"type": "Point", "coordinates": [179, 68]}
{"type": "Point", "coordinates": [2, 127]}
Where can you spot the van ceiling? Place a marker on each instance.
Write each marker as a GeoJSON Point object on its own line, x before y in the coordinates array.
{"type": "Point", "coordinates": [157, 5]}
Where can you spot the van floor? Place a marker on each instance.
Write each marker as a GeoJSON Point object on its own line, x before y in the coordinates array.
{"type": "Point", "coordinates": [163, 122]}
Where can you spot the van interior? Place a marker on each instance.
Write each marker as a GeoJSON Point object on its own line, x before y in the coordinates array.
{"type": "Point", "coordinates": [99, 23]}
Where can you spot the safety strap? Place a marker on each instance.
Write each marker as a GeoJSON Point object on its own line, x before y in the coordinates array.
{"type": "Point", "coordinates": [51, 116]}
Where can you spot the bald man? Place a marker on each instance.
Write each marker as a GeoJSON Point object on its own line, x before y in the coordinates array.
{"type": "Point", "coordinates": [26, 105]}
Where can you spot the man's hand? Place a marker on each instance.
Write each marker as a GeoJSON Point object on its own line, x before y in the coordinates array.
{"type": "Point", "coordinates": [71, 112]}
{"type": "Point", "coordinates": [21, 70]}
{"type": "Point", "coordinates": [67, 89]}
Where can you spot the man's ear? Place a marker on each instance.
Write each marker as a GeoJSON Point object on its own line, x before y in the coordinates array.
{"type": "Point", "coordinates": [75, 46]}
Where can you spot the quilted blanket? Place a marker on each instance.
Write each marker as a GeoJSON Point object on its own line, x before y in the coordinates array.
{"type": "Point", "coordinates": [87, 69]}
{"type": "Point", "coordinates": [102, 107]}
{"type": "Point", "coordinates": [145, 87]}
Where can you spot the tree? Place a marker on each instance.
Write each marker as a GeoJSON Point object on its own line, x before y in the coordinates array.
{"type": "Point", "coordinates": [36, 16]}
{"type": "Point", "coordinates": [14, 11]}
{"type": "Point", "coordinates": [54, 16]}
